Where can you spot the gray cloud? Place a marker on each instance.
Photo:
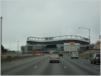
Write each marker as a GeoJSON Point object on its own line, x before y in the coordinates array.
{"type": "Point", "coordinates": [22, 18]}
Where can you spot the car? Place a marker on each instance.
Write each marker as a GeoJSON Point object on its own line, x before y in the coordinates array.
{"type": "Point", "coordinates": [54, 58]}
{"type": "Point", "coordinates": [60, 55]}
{"type": "Point", "coordinates": [95, 58]}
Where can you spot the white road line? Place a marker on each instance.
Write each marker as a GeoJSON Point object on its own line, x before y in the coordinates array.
{"type": "Point", "coordinates": [35, 67]}
{"type": "Point", "coordinates": [65, 67]}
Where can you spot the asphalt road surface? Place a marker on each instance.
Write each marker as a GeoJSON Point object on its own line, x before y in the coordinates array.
{"type": "Point", "coordinates": [41, 66]}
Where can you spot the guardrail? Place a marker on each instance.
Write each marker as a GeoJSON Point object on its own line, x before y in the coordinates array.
{"type": "Point", "coordinates": [56, 38]}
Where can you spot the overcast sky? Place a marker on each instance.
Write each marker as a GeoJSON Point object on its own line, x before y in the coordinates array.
{"type": "Point", "coordinates": [42, 18]}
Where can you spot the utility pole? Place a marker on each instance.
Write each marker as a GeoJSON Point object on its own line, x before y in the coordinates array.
{"type": "Point", "coordinates": [1, 28]}
{"type": "Point", "coordinates": [17, 48]}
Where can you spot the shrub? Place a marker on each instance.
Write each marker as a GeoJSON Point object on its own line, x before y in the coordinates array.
{"type": "Point", "coordinates": [9, 58]}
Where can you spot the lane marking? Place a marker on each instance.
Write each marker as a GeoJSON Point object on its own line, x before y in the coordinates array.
{"type": "Point", "coordinates": [35, 67]}
{"type": "Point", "coordinates": [65, 67]}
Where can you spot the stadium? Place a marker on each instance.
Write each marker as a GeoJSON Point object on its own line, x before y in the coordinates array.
{"type": "Point", "coordinates": [47, 44]}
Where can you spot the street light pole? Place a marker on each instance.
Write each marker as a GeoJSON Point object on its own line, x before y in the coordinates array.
{"type": "Point", "coordinates": [17, 48]}
{"type": "Point", "coordinates": [89, 35]}
{"type": "Point", "coordinates": [1, 28]}
{"type": "Point", "coordinates": [89, 30]}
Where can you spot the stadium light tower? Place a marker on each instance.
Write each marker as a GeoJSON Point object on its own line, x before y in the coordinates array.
{"type": "Point", "coordinates": [89, 31]}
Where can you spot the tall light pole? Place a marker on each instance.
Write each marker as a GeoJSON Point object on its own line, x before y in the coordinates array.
{"type": "Point", "coordinates": [89, 31]}
{"type": "Point", "coordinates": [18, 45]}
{"type": "Point", "coordinates": [17, 48]}
{"type": "Point", "coordinates": [1, 28]}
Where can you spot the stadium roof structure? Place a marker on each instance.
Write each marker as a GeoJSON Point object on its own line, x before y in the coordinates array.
{"type": "Point", "coordinates": [65, 38]}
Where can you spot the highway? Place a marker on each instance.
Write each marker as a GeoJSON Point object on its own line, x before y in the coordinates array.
{"type": "Point", "coordinates": [41, 66]}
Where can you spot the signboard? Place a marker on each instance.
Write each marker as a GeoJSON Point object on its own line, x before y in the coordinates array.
{"type": "Point", "coordinates": [72, 43]}
{"type": "Point", "coordinates": [72, 46]}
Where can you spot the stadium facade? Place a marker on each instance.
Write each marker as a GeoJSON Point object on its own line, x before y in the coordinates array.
{"type": "Point", "coordinates": [47, 44]}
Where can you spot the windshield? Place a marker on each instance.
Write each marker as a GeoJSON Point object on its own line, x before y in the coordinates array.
{"type": "Point", "coordinates": [50, 37]}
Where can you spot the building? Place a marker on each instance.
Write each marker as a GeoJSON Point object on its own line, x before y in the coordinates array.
{"type": "Point", "coordinates": [97, 45]}
{"type": "Point", "coordinates": [47, 44]}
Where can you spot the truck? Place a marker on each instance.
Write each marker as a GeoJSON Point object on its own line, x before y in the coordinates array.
{"type": "Point", "coordinates": [73, 49]}
{"type": "Point", "coordinates": [74, 54]}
